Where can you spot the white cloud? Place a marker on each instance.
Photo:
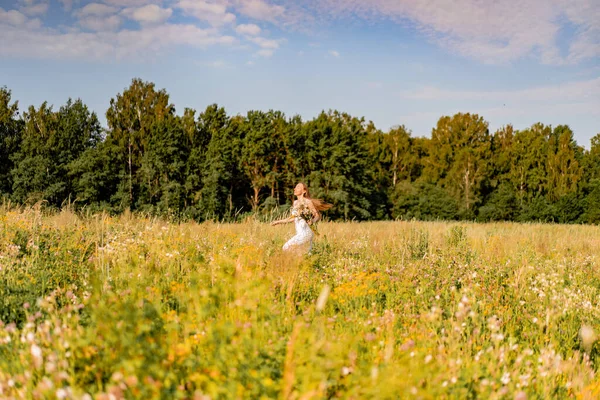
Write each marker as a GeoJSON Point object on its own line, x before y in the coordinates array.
{"type": "Point", "coordinates": [12, 17]}
{"type": "Point", "coordinates": [266, 43]}
{"type": "Point", "coordinates": [101, 24]}
{"type": "Point", "coordinates": [265, 53]}
{"type": "Point", "coordinates": [214, 12]}
{"type": "Point", "coordinates": [588, 90]}
{"type": "Point", "coordinates": [250, 63]}
{"type": "Point", "coordinates": [96, 9]}
{"type": "Point", "coordinates": [98, 17]}
{"type": "Point", "coordinates": [132, 3]}
{"type": "Point", "coordinates": [248, 29]}
{"type": "Point", "coordinates": [150, 14]}
{"type": "Point", "coordinates": [488, 31]}
{"type": "Point", "coordinates": [27, 43]}
{"type": "Point", "coordinates": [18, 19]}
{"type": "Point", "coordinates": [260, 10]}
{"type": "Point", "coordinates": [218, 64]}
{"type": "Point", "coordinates": [34, 7]}
{"type": "Point", "coordinates": [334, 53]}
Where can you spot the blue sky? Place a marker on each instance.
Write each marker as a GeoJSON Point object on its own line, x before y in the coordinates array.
{"type": "Point", "coordinates": [390, 61]}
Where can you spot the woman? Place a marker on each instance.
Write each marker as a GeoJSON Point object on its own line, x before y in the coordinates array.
{"type": "Point", "coordinates": [305, 212]}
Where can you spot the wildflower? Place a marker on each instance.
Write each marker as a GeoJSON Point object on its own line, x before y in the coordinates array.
{"type": "Point", "coordinates": [588, 337]}
{"type": "Point", "coordinates": [322, 299]}
{"type": "Point", "coordinates": [36, 353]}
{"type": "Point", "coordinates": [409, 344]}
{"type": "Point", "coordinates": [521, 396]}
{"type": "Point", "coordinates": [374, 373]}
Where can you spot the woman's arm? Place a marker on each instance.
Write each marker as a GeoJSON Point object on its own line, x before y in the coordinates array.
{"type": "Point", "coordinates": [283, 221]}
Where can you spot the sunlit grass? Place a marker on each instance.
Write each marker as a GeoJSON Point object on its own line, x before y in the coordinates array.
{"type": "Point", "coordinates": [102, 306]}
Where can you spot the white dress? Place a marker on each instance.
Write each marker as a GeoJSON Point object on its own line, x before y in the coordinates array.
{"type": "Point", "coordinates": [304, 235]}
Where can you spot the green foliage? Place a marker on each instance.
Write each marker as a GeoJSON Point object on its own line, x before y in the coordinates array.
{"type": "Point", "coordinates": [51, 142]}
{"type": "Point", "coordinates": [40, 260]}
{"type": "Point", "coordinates": [336, 162]}
{"type": "Point", "coordinates": [502, 205]}
{"type": "Point", "coordinates": [423, 201]}
{"type": "Point", "coordinates": [592, 203]}
{"type": "Point", "coordinates": [418, 244]}
{"type": "Point", "coordinates": [163, 168]}
{"type": "Point", "coordinates": [131, 117]}
{"type": "Point", "coordinates": [10, 138]}
{"type": "Point", "coordinates": [459, 158]}
{"type": "Point", "coordinates": [221, 167]}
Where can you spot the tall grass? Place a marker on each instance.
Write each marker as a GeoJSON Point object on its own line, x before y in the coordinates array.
{"type": "Point", "coordinates": [128, 307]}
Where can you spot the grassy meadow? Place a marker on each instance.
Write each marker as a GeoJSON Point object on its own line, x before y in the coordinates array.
{"type": "Point", "coordinates": [129, 307]}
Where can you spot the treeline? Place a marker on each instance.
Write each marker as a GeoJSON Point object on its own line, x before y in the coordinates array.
{"type": "Point", "coordinates": [213, 165]}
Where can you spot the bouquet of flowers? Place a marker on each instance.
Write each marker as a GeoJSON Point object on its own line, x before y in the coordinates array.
{"type": "Point", "coordinates": [306, 214]}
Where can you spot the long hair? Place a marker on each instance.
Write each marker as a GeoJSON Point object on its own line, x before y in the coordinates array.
{"type": "Point", "coordinates": [319, 204]}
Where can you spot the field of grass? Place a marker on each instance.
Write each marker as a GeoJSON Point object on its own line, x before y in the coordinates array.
{"type": "Point", "coordinates": [126, 307]}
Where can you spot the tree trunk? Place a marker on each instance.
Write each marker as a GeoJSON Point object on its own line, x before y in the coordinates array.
{"type": "Point", "coordinates": [395, 163]}
{"type": "Point", "coordinates": [467, 187]}
{"type": "Point", "coordinates": [255, 198]}
{"type": "Point", "coordinates": [130, 174]}
{"type": "Point", "coordinates": [230, 198]}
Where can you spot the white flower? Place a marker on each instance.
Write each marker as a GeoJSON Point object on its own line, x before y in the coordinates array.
{"type": "Point", "coordinates": [588, 337]}
{"type": "Point", "coordinates": [36, 353]}
{"type": "Point", "coordinates": [322, 299]}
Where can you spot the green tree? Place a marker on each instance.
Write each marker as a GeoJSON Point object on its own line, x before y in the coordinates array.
{"type": "Point", "coordinates": [11, 127]}
{"type": "Point", "coordinates": [130, 118]}
{"type": "Point", "coordinates": [223, 190]}
{"type": "Point", "coordinates": [502, 155]}
{"type": "Point", "coordinates": [162, 173]}
{"type": "Point", "coordinates": [528, 167]}
{"type": "Point", "coordinates": [423, 201]}
{"type": "Point", "coordinates": [337, 157]}
{"type": "Point", "coordinates": [591, 163]}
{"type": "Point", "coordinates": [563, 167]}
{"type": "Point", "coordinates": [397, 145]}
{"type": "Point", "coordinates": [592, 159]}
{"type": "Point", "coordinates": [459, 158]}
{"type": "Point", "coordinates": [52, 141]}
{"type": "Point", "coordinates": [262, 151]}
{"type": "Point", "coordinates": [96, 176]}
{"type": "Point", "coordinates": [502, 205]}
